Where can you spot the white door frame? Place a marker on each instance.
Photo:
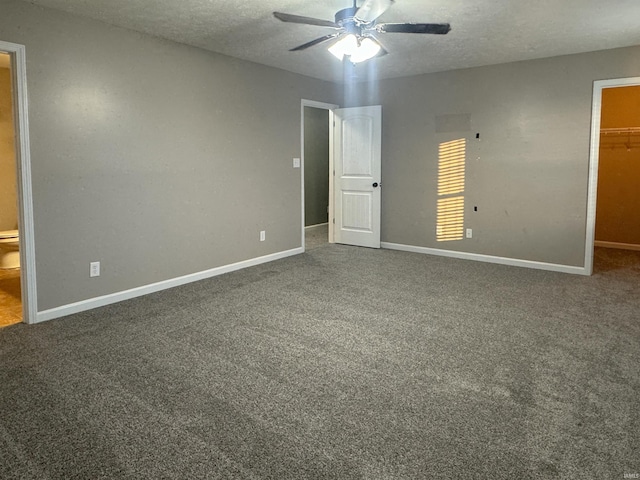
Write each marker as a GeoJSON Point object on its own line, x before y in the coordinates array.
{"type": "Point", "coordinates": [25, 197]}
{"type": "Point", "coordinates": [594, 158]}
{"type": "Point", "coordinates": [324, 106]}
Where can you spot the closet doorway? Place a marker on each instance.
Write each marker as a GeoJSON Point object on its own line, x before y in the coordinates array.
{"type": "Point", "coordinates": [616, 161]}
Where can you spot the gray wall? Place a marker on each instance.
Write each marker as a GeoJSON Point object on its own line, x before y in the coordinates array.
{"type": "Point", "coordinates": [316, 165]}
{"type": "Point", "coordinates": [154, 158]}
{"type": "Point", "coordinates": [161, 160]}
{"type": "Point", "coordinates": [528, 173]}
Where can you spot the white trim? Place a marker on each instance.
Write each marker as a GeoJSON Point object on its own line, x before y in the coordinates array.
{"type": "Point", "coordinates": [25, 196]}
{"type": "Point", "coordinates": [315, 227]}
{"type": "Point", "coordinates": [324, 106]}
{"type": "Point", "coordinates": [514, 262]}
{"type": "Point", "coordinates": [320, 105]}
{"type": "Point", "coordinates": [332, 177]}
{"type": "Point", "coordinates": [620, 246]}
{"type": "Point", "coordinates": [594, 152]}
{"type": "Point", "coordinates": [156, 287]}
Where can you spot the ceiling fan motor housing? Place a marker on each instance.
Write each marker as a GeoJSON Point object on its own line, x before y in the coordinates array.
{"type": "Point", "coordinates": [346, 16]}
{"type": "Point", "coordinates": [346, 19]}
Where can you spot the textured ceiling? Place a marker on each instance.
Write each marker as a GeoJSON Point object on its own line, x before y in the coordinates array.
{"type": "Point", "coordinates": [484, 32]}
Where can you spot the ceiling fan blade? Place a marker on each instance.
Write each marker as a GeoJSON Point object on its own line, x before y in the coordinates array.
{"type": "Point", "coordinates": [287, 17]}
{"type": "Point", "coordinates": [304, 46]}
{"type": "Point", "coordinates": [372, 9]}
{"type": "Point", "coordinates": [435, 28]}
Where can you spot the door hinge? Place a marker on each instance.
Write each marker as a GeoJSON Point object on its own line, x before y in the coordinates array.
{"type": "Point", "coordinates": [334, 221]}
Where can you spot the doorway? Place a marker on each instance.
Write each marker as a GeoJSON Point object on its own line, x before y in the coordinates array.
{"type": "Point", "coordinates": [613, 221]}
{"type": "Point", "coordinates": [10, 291]}
{"type": "Point", "coordinates": [22, 284]}
{"type": "Point", "coordinates": [316, 143]}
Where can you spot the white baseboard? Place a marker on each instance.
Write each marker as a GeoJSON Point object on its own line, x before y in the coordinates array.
{"type": "Point", "coordinates": [156, 287]}
{"type": "Point", "coordinates": [313, 227]}
{"type": "Point", "coordinates": [514, 262]}
{"type": "Point", "coordinates": [621, 246]}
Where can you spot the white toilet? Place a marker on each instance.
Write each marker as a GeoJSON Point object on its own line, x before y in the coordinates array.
{"type": "Point", "coordinates": [9, 253]}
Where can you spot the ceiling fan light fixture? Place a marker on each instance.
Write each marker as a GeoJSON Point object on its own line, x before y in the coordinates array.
{"type": "Point", "coordinates": [367, 49]}
{"type": "Point", "coordinates": [344, 46]}
{"type": "Point", "coordinates": [357, 30]}
{"type": "Point", "coordinates": [357, 51]}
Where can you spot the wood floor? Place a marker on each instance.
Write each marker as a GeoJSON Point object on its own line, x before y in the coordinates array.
{"type": "Point", "coordinates": [10, 298]}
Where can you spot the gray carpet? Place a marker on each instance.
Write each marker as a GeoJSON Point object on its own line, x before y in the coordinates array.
{"type": "Point", "coordinates": [316, 236]}
{"type": "Point", "coordinates": [344, 363]}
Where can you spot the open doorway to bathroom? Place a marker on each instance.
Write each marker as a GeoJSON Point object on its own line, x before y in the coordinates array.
{"type": "Point", "coordinates": [10, 284]}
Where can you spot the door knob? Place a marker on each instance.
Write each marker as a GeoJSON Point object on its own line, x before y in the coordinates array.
{"type": "Point", "coordinates": [375, 184]}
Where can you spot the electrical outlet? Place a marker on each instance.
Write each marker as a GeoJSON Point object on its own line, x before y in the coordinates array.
{"type": "Point", "coordinates": [94, 269]}
{"type": "Point", "coordinates": [263, 235]}
{"type": "Point", "coordinates": [469, 233]}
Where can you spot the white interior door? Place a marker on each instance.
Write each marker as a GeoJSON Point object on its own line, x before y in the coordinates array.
{"type": "Point", "coordinates": [357, 140]}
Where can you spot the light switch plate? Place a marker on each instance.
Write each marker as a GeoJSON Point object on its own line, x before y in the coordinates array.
{"type": "Point", "coordinates": [94, 269]}
{"type": "Point", "coordinates": [296, 163]}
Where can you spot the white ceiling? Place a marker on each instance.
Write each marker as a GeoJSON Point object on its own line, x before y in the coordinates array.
{"type": "Point", "coordinates": [484, 32]}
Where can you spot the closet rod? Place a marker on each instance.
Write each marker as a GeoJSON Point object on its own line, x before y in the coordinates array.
{"type": "Point", "coordinates": [620, 131]}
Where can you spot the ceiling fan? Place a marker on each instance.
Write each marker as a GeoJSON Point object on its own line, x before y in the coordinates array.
{"type": "Point", "coordinates": [357, 29]}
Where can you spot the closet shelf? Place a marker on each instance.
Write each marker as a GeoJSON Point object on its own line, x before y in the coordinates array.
{"type": "Point", "coordinates": [620, 131]}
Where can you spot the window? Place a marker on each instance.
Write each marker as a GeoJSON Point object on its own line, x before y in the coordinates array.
{"type": "Point", "coordinates": [451, 169]}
